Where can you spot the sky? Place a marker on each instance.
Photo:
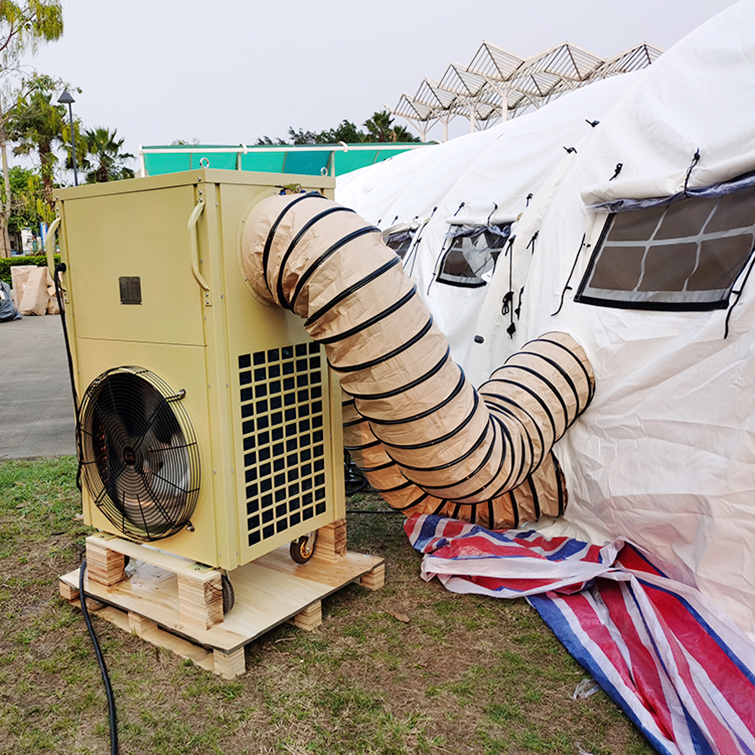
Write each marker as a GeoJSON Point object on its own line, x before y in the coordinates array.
{"type": "Point", "coordinates": [228, 71]}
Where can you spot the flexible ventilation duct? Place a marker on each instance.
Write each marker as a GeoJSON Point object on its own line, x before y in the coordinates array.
{"type": "Point", "coordinates": [425, 438]}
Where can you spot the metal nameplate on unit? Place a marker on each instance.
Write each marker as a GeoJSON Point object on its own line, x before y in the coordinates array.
{"type": "Point", "coordinates": [131, 290]}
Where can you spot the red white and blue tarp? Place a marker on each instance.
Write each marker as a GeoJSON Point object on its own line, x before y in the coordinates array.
{"type": "Point", "coordinates": [682, 672]}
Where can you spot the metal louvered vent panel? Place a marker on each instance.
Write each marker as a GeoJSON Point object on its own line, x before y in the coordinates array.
{"type": "Point", "coordinates": [282, 416]}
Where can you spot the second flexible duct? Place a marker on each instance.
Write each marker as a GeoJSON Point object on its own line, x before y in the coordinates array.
{"type": "Point", "coordinates": [425, 438]}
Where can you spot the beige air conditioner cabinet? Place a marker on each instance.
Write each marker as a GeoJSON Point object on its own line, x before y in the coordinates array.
{"type": "Point", "coordinates": [209, 422]}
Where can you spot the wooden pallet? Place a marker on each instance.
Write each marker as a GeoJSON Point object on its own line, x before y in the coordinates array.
{"type": "Point", "coordinates": [177, 604]}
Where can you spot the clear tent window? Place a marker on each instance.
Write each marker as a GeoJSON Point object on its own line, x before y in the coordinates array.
{"type": "Point", "coordinates": [682, 254]}
{"type": "Point", "coordinates": [470, 254]}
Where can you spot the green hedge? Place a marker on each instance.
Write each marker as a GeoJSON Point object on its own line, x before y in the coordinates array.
{"type": "Point", "coordinates": [6, 263]}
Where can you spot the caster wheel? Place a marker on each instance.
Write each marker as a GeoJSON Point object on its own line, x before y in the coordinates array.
{"type": "Point", "coordinates": [229, 596]}
{"type": "Point", "coordinates": [304, 548]}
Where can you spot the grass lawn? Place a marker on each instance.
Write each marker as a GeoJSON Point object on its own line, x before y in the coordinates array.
{"type": "Point", "coordinates": [464, 674]}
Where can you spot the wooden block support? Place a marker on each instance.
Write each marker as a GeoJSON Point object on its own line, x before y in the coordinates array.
{"type": "Point", "coordinates": [310, 617]}
{"type": "Point", "coordinates": [229, 665]}
{"type": "Point", "coordinates": [139, 625]}
{"type": "Point", "coordinates": [67, 592]}
{"type": "Point", "coordinates": [104, 566]}
{"type": "Point", "coordinates": [375, 579]}
{"type": "Point", "coordinates": [331, 542]}
{"type": "Point", "coordinates": [200, 601]}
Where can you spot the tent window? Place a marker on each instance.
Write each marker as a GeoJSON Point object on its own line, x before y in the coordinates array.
{"type": "Point", "coordinates": [471, 254]}
{"type": "Point", "coordinates": [684, 255]}
{"type": "Point", "coordinates": [400, 241]}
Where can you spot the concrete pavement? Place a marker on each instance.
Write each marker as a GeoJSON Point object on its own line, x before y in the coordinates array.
{"type": "Point", "coordinates": [36, 408]}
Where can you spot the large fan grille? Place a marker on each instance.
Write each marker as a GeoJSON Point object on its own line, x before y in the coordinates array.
{"type": "Point", "coordinates": [139, 453]}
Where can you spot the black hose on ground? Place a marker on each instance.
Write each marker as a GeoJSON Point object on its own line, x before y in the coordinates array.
{"type": "Point", "coordinates": [101, 662]}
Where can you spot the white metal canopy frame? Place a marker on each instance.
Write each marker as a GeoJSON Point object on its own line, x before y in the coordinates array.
{"type": "Point", "coordinates": [500, 85]}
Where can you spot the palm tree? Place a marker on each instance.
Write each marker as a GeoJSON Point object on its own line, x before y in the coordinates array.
{"type": "Point", "coordinates": [402, 134]}
{"type": "Point", "coordinates": [379, 127]}
{"type": "Point", "coordinates": [36, 126]}
{"type": "Point", "coordinates": [107, 160]}
{"type": "Point", "coordinates": [23, 26]}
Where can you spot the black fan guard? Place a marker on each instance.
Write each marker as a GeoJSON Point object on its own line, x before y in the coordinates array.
{"type": "Point", "coordinates": [139, 453]}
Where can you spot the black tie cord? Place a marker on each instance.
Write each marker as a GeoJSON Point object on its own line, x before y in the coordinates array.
{"type": "Point", "coordinates": [567, 287]}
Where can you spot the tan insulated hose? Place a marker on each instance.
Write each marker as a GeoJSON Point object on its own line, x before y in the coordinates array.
{"type": "Point", "coordinates": [424, 437]}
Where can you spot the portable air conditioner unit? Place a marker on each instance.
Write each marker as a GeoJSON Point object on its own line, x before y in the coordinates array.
{"type": "Point", "coordinates": [209, 423]}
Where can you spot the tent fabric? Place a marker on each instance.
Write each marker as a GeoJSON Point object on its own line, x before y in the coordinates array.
{"type": "Point", "coordinates": [479, 179]}
{"type": "Point", "coordinates": [664, 455]}
{"type": "Point", "coordinates": [683, 674]}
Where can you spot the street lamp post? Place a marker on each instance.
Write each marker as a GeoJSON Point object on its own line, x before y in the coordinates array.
{"type": "Point", "coordinates": [66, 99]}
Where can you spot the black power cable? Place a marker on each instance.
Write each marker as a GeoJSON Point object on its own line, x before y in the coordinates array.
{"type": "Point", "coordinates": [61, 268]}
{"type": "Point", "coordinates": [101, 661]}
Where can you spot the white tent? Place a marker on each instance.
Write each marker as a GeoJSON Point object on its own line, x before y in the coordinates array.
{"type": "Point", "coordinates": [480, 180]}
{"type": "Point", "coordinates": [658, 295]}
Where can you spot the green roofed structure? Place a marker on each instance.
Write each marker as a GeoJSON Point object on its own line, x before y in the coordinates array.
{"type": "Point", "coordinates": [301, 159]}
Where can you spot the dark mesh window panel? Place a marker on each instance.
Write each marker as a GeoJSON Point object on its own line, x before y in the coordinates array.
{"type": "Point", "coordinates": [273, 502]}
{"type": "Point", "coordinates": [400, 241]}
{"type": "Point", "coordinates": [471, 254]}
{"type": "Point", "coordinates": [686, 255]}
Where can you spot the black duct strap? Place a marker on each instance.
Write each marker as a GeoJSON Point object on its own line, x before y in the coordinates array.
{"type": "Point", "coordinates": [443, 438]}
{"type": "Point", "coordinates": [514, 509]}
{"type": "Point", "coordinates": [284, 260]}
{"type": "Point", "coordinates": [565, 375]}
{"type": "Point", "coordinates": [506, 400]}
{"type": "Point", "coordinates": [455, 392]}
{"type": "Point", "coordinates": [485, 460]}
{"type": "Point", "coordinates": [507, 482]}
{"type": "Point", "coordinates": [309, 272]}
{"type": "Point", "coordinates": [351, 289]}
{"type": "Point", "coordinates": [561, 491]}
{"type": "Point", "coordinates": [354, 422]}
{"type": "Point", "coordinates": [395, 392]}
{"type": "Point", "coordinates": [387, 464]}
{"type": "Point", "coordinates": [518, 420]}
{"type": "Point", "coordinates": [367, 323]}
{"type": "Point", "coordinates": [274, 228]}
{"type": "Point", "coordinates": [590, 381]}
{"type": "Point", "coordinates": [535, 498]}
{"type": "Point", "coordinates": [532, 393]}
{"type": "Point", "coordinates": [385, 357]}
{"type": "Point", "coordinates": [402, 486]}
{"type": "Point", "coordinates": [372, 444]}
{"type": "Point", "coordinates": [450, 464]}
{"type": "Point", "coordinates": [545, 380]}
{"type": "Point", "coordinates": [415, 503]}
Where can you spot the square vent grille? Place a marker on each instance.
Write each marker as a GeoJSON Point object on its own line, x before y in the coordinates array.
{"type": "Point", "coordinates": [283, 435]}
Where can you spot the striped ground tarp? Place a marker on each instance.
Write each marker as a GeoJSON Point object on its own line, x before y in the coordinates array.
{"type": "Point", "coordinates": [682, 672]}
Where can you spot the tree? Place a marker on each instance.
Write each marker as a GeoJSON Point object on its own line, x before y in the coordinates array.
{"type": "Point", "coordinates": [108, 162]}
{"type": "Point", "coordinates": [28, 208]}
{"type": "Point", "coordinates": [23, 25]}
{"type": "Point", "coordinates": [36, 126]}
{"type": "Point", "coordinates": [380, 128]}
